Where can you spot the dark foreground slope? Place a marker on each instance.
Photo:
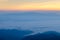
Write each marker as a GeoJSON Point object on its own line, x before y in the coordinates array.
{"type": "Point", "coordinates": [50, 35]}
{"type": "Point", "coordinates": [13, 34]}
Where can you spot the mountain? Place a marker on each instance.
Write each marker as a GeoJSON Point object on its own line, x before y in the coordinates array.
{"type": "Point", "coordinates": [13, 34]}
{"type": "Point", "coordinates": [50, 35]}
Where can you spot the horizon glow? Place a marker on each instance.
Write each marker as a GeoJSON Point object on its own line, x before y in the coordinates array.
{"type": "Point", "coordinates": [29, 4]}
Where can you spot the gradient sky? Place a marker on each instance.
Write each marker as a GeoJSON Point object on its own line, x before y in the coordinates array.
{"type": "Point", "coordinates": [29, 4]}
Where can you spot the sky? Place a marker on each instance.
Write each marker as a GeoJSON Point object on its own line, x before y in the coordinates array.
{"type": "Point", "coordinates": [29, 4]}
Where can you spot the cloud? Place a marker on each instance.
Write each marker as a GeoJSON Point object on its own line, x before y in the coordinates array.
{"type": "Point", "coordinates": [25, 0]}
{"type": "Point", "coordinates": [21, 2]}
{"type": "Point", "coordinates": [31, 0]}
{"type": "Point", "coordinates": [3, 0]}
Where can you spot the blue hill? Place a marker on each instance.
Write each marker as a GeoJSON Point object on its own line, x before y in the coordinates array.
{"type": "Point", "coordinates": [50, 35]}
{"type": "Point", "coordinates": [13, 34]}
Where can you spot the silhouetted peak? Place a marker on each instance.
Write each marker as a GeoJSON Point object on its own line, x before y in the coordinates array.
{"type": "Point", "coordinates": [50, 35]}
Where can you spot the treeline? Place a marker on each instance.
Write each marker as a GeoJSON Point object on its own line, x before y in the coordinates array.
{"type": "Point", "coordinates": [13, 34]}
{"type": "Point", "coordinates": [50, 35]}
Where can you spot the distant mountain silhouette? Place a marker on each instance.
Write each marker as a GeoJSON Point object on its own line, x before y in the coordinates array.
{"type": "Point", "coordinates": [13, 34]}
{"type": "Point", "coordinates": [50, 35]}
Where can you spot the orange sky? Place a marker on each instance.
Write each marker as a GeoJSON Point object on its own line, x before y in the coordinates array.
{"type": "Point", "coordinates": [29, 5]}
